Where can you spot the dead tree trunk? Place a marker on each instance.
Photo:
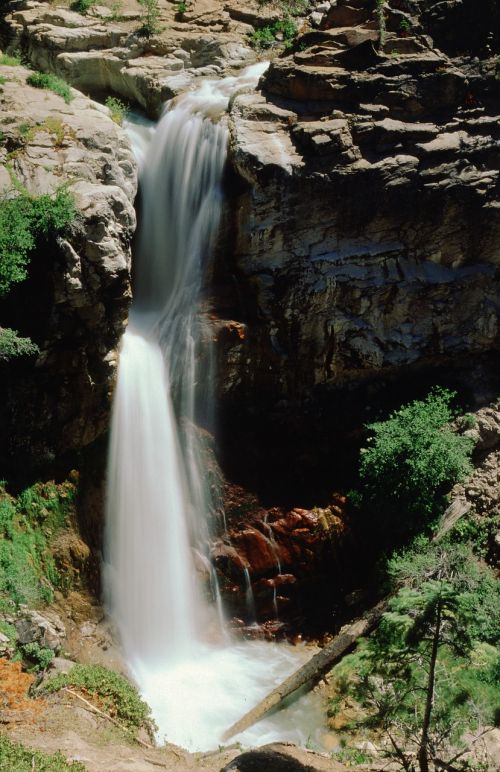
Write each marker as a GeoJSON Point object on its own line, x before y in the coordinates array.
{"type": "Point", "coordinates": [321, 663]}
{"type": "Point", "coordinates": [313, 671]}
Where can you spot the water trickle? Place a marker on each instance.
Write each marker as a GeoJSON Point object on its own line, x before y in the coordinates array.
{"type": "Point", "coordinates": [249, 599]}
{"type": "Point", "coordinates": [157, 529]}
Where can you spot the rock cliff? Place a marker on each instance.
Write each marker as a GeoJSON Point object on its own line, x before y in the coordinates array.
{"type": "Point", "coordinates": [366, 229]}
{"type": "Point", "coordinates": [74, 303]}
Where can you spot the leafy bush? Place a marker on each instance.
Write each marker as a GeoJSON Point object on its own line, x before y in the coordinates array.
{"type": "Point", "coordinates": [82, 6]}
{"type": "Point", "coordinates": [411, 459]}
{"type": "Point", "coordinates": [150, 17]}
{"type": "Point", "coordinates": [267, 36]}
{"type": "Point", "coordinates": [12, 345]}
{"type": "Point", "coordinates": [16, 758]}
{"type": "Point", "coordinates": [24, 221]}
{"type": "Point", "coordinates": [114, 694]}
{"type": "Point", "coordinates": [39, 656]}
{"type": "Point", "coordinates": [28, 572]}
{"type": "Point", "coordinates": [117, 109]}
{"type": "Point", "coordinates": [52, 83]}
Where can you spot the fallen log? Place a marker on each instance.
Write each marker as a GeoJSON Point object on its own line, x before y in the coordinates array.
{"type": "Point", "coordinates": [321, 663]}
{"type": "Point", "coordinates": [312, 671]}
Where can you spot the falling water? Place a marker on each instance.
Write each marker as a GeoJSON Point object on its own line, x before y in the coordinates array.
{"type": "Point", "coordinates": [158, 501]}
{"type": "Point", "coordinates": [249, 599]}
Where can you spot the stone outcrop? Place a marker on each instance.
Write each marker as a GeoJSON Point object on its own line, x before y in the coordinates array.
{"type": "Point", "coordinates": [366, 227]}
{"type": "Point", "coordinates": [75, 302]}
{"type": "Point", "coordinates": [475, 503]}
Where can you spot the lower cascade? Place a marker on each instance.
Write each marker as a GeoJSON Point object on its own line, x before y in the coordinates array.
{"type": "Point", "coordinates": [196, 680]}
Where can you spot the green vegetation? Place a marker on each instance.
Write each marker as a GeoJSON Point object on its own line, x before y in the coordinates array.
{"type": "Point", "coordinates": [39, 656]}
{"type": "Point", "coordinates": [411, 461]}
{"type": "Point", "coordinates": [283, 31]}
{"type": "Point", "coordinates": [405, 26]}
{"type": "Point", "coordinates": [181, 8]}
{"type": "Point", "coordinates": [12, 345]}
{"type": "Point", "coordinates": [3, 80]}
{"type": "Point", "coordinates": [114, 694]}
{"type": "Point", "coordinates": [150, 17]}
{"type": "Point", "coordinates": [16, 758]}
{"type": "Point", "coordinates": [28, 573]}
{"type": "Point", "coordinates": [10, 60]}
{"type": "Point", "coordinates": [117, 108]}
{"type": "Point", "coordinates": [265, 37]}
{"type": "Point", "coordinates": [24, 221]}
{"type": "Point", "coordinates": [52, 83]}
{"type": "Point", "coordinates": [82, 6]}
{"type": "Point", "coordinates": [428, 674]}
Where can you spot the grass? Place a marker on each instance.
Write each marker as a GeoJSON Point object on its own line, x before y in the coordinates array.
{"type": "Point", "coordinates": [52, 83]}
{"type": "Point", "coordinates": [28, 572]}
{"type": "Point", "coordinates": [110, 691]}
{"type": "Point", "coordinates": [10, 60]}
{"type": "Point", "coordinates": [17, 758]}
{"type": "Point", "coordinates": [117, 108]}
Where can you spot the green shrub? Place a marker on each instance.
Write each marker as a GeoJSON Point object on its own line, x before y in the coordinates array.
{"type": "Point", "coordinates": [39, 656]}
{"type": "Point", "coordinates": [150, 17]}
{"type": "Point", "coordinates": [12, 345]}
{"type": "Point", "coordinates": [82, 6]}
{"type": "Point", "coordinates": [24, 221]}
{"type": "Point", "coordinates": [52, 83]}
{"type": "Point", "coordinates": [267, 36]}
{"type": "Point", "coordinates": [411, 460]}
{"type": "Point", "coordinates": [16, 758]}
{"type": "Point", "coordinates": [117, 108]}
{"type": "Point", "coordinates": [181, 8]}
{"type": "Point", "coordinates": [114, 693]}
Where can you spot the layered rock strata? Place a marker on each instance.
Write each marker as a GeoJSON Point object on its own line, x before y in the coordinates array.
{"type": "Point", "coordinates": [366, 228]}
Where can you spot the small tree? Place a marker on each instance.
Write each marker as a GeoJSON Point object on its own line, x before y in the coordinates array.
{"type": "Point", "coordinates": [150, 17]}
{"type": "Point", "coordinates": [428, 673]}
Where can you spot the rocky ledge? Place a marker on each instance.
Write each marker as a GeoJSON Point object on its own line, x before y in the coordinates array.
{"type": "Point", "coordinates": [366, 222]}
{"type": "Point", "coordinates": [104, 51]}
{"type": "Point", "coordinates": [74, 303]}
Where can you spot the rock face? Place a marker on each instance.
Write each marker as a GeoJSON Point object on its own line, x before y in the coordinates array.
{"type": "Point", "coordinates": [106, 53]}
{"type": "Point", "coordinates": [274, 564]}
{"type": "Point", "coordinates": [75, 301]}
{"type": "Point", "coordinates": [366, 230]}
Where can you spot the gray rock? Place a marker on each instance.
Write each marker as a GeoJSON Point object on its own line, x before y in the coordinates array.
{"type": "Point", "coordinates": [35, 628]}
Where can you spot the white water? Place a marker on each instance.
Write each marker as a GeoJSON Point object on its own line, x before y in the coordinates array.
{"type": "Point", "coordinates": [196, 681]}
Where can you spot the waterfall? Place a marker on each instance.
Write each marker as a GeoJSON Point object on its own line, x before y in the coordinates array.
{"type": "Point", "coordinates": [158, 501]}
{"type": "Point", "coordinates": [155, 487]}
